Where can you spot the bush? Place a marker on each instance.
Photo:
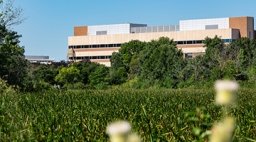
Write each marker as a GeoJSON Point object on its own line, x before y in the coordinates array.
{"type": "Point", "coordinates": [78, 85]}
{"type": "Point", "coordinates": [5, 88]}
{"type": "Point", "coordinates": [35, 85]}
{"type": "Point", "coordinates": [68, 75]}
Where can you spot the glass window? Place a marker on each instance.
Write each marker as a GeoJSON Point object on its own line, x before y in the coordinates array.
{"type": "Point", "coordinates": [189, 42]}
{"type": "Point", "coordinates": [101, 32]}
{"type": "Point", "coordinates": [188, 55]}
{"type": "Point", "coordinates": [209, 27]}
{"type": "Point", "coordinates": [199, 42]}
{"type": "Point", "coordinates": [180, 42]}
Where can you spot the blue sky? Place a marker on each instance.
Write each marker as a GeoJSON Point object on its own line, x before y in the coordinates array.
{"type": "Point", "coordinates": [49, 22]}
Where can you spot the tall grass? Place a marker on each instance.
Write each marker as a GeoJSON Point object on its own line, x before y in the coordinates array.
{"type": "Point", "coordinates": [157, 115]}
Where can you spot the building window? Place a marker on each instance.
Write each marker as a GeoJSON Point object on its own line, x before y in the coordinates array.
{"type": "Point", "coordinates": [101, 32]}
{"type": "Point", "coordinates": [189, 42]}
{"type": "Point", "coordinates": [94, 46]}
{"type": "Point", "coordinates": [179, 42]}
{"type": "Point", "coordinates": [209, 27]}
{"type": "Point", "coordinates": [188, 55]}
{"type": "Point", "coordinates": [89, 57]}
{"type": "Point", "coordinates": [227, 40]}
{"type": "Point", "coordinates": [198, 42]}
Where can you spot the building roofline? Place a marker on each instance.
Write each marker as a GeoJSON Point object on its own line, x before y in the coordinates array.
{"type": "Point", "coordinates": [129, 23]}
{"type": "Point", "coordinates": [241, 17]}
{"type": "Point", "coordinates": [112, 24]}
{"type": "Point", "coordinates": [217, 18]}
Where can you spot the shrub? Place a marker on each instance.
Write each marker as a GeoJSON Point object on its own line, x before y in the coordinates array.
{"type": "Point", "coordinates": [5, 88]}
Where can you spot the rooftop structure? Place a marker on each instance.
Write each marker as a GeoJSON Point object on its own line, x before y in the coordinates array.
{"type": "Point", "coordinates": [39, 59]}
{"type": "Point", "coordinates": [97, 43]}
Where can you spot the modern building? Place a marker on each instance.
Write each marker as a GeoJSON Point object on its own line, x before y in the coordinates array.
{"type": "Point", "coordinates": [39, 59]}
{"type": "Point", "coordinates": [97, 43]}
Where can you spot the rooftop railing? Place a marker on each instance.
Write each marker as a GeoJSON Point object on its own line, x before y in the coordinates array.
{"type": "Point", "coordinates": [151, 29]}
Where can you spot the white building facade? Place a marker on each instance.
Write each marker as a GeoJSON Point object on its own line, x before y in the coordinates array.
{"type": "Point", "coordinates": [97, 43]}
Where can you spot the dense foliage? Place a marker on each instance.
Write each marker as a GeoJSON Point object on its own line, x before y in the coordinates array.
{"type": "Point", "coordinates": [13, 65]}
{"type": "Point", "coordinates": [164, 115]}
{"type": "Point", "coordinates": [158, 64]}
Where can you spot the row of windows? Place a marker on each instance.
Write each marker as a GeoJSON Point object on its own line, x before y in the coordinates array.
{"type": "Point", "coordinates": [187, 56]}
{"type": "Point", "coordinates": [89, 57]}
{"type": "Point", "coordinates": [201, 41]}
{"type": "Point", "coordinates": [95, 46]}
{"type": "Point", "coordinates": [190, 42]}
{"type": "Point", "coordinates": [119, 45]}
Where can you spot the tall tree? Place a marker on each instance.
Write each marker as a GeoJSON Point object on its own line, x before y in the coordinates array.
{"type": "Point", "coordinates": [10, 15]}
{"type": "Point", "coordinates": [161, 61]}
{"type": "Point", "coordinates": [13, 65]}
{"type": "Point", "coordinates": [125, 63]}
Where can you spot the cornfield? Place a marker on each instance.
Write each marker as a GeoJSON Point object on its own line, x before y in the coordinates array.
{"type": "Point", "coordinates": [158, 115]}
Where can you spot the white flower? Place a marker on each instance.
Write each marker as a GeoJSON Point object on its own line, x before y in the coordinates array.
{"type": "Point", "coordinates": [119, 127]}
{"type": "Point", "coordinates": [225, 91]}
{"type": "Point", "coordinates": [118, 138]}
{"type": "Point", "coordinates": [223, 131]}
{"type": "Point", "coordinates": [118, 131]}
{"type": "Point", "coordinates": [134, 138]}
{"type": "Point", "coordinates": [226, 85]}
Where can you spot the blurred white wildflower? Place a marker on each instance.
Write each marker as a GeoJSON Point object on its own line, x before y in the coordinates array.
{"type": "Point", "coordinates": [134, 138]}
{"type": "Point", "coordinates": [118, 131]}
{"type": "Point", "coordinates": [223, 131]}
{"type": "Point", "coordinates": [226, 85]}
{"type": "Point", "coordinates": [225, 91]}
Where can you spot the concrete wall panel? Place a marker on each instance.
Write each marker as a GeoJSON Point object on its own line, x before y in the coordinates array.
{"type": "Point", "coordinates": [201, 24]}
{"type": "Point", "coordinates": [177, 36]}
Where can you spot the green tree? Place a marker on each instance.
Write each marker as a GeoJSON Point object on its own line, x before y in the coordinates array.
{"type": "Point", "coordinates": [238, 58]}
{"type": "Point", "coordinates": [46, 73]}
{"type": "Point", "coordinates": [125, 63]}
{"type": "Point", "coordinates": [243, 51]}
{"type": "Point", "coordinates": [99, 77]}
{"type": "Point", "coordinates": [161, 62]}
{"type": "Point", "coordinates": [86, 68]}
{"type": "Point", "coordinates": [10, 15]}
{"type": "Point", "coordinates": [214, 58]}
{"type": "Point", "coordinates": [129, 50]}
{"type": "Point", "coordinates": [214, 49]}
{"type": "Point", "coordinates": [68, 75]}
{"type": "Point", "coordinates": [195, 72]}
{"type": "Point", "coordinates": [13, 66]}
{"type": "Point", "coordinates": [118, 73]}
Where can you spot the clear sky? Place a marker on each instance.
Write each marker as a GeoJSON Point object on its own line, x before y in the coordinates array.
{"type": "Point", "coordinates": [49, 22]}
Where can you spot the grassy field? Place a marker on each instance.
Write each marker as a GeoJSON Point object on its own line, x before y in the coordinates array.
{"type": "Point", "coordinates": [163, 115]}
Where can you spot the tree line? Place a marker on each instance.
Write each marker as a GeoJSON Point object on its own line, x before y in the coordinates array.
{"type": "Point", "coordinates": [158, 63]}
